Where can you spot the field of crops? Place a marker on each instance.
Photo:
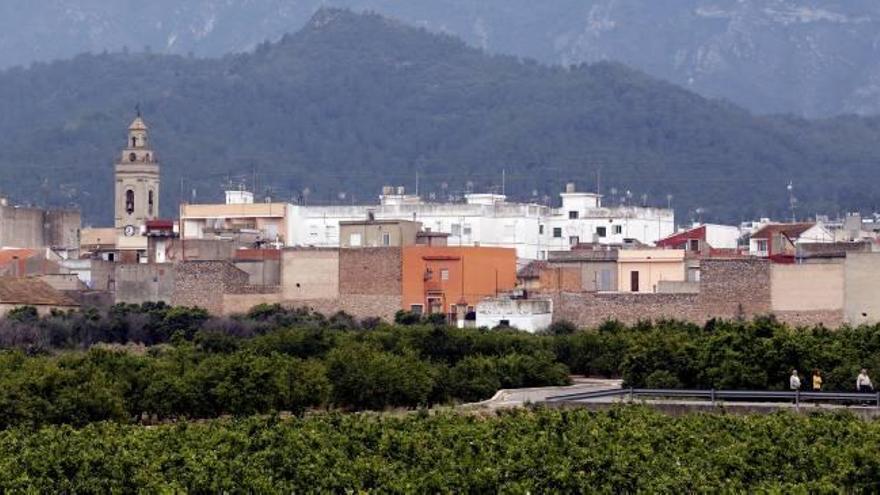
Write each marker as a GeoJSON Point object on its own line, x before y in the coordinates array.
{"type": "Point", "coordinates": [627, 449]}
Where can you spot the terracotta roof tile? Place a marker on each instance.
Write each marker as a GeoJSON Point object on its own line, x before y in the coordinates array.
{"type": "Point", "coordinates": [30, 291]}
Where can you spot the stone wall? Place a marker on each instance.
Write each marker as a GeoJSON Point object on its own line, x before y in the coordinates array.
{"type": "Point", "coordinates": [589, 309]}
{"type": "Point", "coordinates": [373, 271]}
{"type": "Point", "coordinates": [729, 288]}
{"type": "Point", "coordinates": [204, 284]}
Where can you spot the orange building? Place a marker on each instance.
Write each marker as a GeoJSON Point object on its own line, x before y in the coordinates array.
{"type": "Point", "coordinates": [451, 280]}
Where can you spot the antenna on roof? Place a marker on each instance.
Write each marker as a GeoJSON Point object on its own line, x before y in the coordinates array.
{"type": "Point", "coordinates": [137, 109]}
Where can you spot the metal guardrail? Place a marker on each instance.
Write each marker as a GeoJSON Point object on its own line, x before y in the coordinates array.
{"type": "Point", "coordinates": [716, 395]}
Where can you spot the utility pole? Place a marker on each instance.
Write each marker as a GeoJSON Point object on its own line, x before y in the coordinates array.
{"type": "Point", "coordinates": [503, 181]}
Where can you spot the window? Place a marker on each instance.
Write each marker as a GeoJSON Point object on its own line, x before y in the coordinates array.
{"type": "Point", "coordinates": [455, 229]}
{"type": "Point", "coordinates": [132, 157]}
{"type": "Point", "coordinates": [618, 229]}
{"type": "Point", "coordinates": [540, 230]}
{"type": "Point", "coordinates": [573, 240]}
{"type": "Point", "coordinates": [134, 141]}
{"type": "Point", "coordinates": [694, 245]}
{"type": "Point", "coordinates": [416, 308]}
{"type": "Point", "coordinates": [150, 203]}
{"type": "Point", "coordinates": [572, 215]}
{"type": "Point", "coordinates": [129, 201]}
{"type": "Point", "coordinates": [467, 229]}
{"type": "Point", "coordinates": [601, 231]}
{"type": "Point", "coordinates": [386, 239]}
{"type": "Point", "coordinates": [762, 246]}
{"type": "Point", "coordinates": [504, 323]}
{"type": "Point", "coordinates": [557, 232]}
{"type": "Point", "coordinates": [444, 274]}
{"type": "Point", "coordinates": [634, 281]}
{"type": "Point", "coordinates": [354, 240]}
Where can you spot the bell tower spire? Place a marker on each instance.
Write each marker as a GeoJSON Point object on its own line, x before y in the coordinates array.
{"type": "Point", "coordinates": [137, 183]}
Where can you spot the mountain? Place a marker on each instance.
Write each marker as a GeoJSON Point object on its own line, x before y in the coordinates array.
{"type": "Point", "coordinates": [805, 57]}
{"type": "Point", "coordinates": [355, 101]}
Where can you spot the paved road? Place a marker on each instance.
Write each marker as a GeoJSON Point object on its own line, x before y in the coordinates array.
{"type": "Point", "coordinates": [520, 396]}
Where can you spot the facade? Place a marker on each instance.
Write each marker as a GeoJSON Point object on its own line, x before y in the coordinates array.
{"type": "Point", "coordinates": [137, 188]}
{"type": "Point", "coordinates": [583, 219]}
{"type": "Point", "coordinates": [780, 241]}
{"type": "Point", "coordinates": [704, 239]}
{"type": "Point", "coordinates": [486, 220]}
{"type": "Point", "coordinates": [36, 228]}
{"type": "Point", "coordinates": [452, 280]}
{"type": "Point", "coordinates": [240, 220]}
{"type": "Point", "coordinates": [378, 233]}
{"type": "Point", "coordinates": [642, 270]}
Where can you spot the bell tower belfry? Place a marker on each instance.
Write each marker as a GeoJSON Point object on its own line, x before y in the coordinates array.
{"type": "Point", "coordinates": [137, 183]}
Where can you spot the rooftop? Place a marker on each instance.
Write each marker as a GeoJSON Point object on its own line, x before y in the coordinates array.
{"type": "Point", "coordinates": [31, 291]}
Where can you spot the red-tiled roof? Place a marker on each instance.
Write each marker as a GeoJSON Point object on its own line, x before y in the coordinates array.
{"type": "Point", "coordinates": [7, 255]}
{"type": "Point", "coordinates": [678, 238]}
{"type": "Point", "coordinates": [790, 230]}
{"type": "Point", "coordinates": [31, 291]}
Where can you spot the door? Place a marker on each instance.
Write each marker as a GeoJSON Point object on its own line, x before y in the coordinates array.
{"type": "Point", "coordinates": [634, 281]}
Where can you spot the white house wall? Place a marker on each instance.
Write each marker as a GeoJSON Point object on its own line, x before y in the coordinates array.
{"type": "Point", "coordinates": [514, 225]}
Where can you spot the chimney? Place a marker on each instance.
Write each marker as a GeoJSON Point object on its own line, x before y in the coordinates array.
{"type": "Point", "coordinates": [569, 188]}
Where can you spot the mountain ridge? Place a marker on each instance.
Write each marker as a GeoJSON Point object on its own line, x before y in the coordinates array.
{"type": "Point", "coordinates": [771, 56]}
{"type": "Point", "coordinates": [355, 101]}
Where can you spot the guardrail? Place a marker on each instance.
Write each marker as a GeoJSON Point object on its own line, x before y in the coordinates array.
{"type": "Point", "coordinates": [715, 395]}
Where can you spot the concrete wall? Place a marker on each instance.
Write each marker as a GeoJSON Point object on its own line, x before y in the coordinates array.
{"type": "Point", "coordinates": [807, 287]}
{"type": "Point", "coordinates": [140, 283]}
{"type": "Point", "coordinates": [266, 272]}
{"type": "Point", "coordinates": [309, 274]}
{"type": "Point", "coordinates": [862, 279]}
{"type": "Point", "coordinates": [36, 228]}
{"type": "Point", "coordinates": [652, 267]}
{"type": "Point", "coordinates": [371, 234]}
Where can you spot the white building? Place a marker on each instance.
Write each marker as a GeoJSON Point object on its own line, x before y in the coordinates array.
{"type": "Point", "coordinates": [583, 219]}
{"type": "Point", "coordinates": [482, 220]}
{"type": "Point", "coordinates": [530, 315]}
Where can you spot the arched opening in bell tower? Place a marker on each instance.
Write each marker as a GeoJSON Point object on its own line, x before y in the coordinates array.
{"type": "Point", "coordinates": [129, 201]}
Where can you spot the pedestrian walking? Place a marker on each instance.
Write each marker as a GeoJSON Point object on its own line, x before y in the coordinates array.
{"type": "Point", "coordinates": [817, 381]}
{"type": "Point", "coordinates": [863, 382]}
{"type": "Point", "coordinates": [794, 384]}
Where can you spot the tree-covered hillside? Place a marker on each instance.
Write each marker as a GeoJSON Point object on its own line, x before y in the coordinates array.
{"type": "Point", "coordinates": [352, 102]}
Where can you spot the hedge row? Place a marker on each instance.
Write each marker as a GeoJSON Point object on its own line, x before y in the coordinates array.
{"type": "Point", "coordinates": [546, 451]}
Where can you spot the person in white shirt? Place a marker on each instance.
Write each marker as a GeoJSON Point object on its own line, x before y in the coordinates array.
{"type": "Point", "coordinates": [863, 382]}
{"type": "Point", "coordinates": [794, 382]}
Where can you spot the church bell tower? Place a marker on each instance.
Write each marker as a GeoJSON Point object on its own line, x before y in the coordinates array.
{"type": "Point", "coordinates": [137, 183]}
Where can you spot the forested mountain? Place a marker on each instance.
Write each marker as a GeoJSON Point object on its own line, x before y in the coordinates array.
{"type": "Point", "coordinates": [355, 101]}
{"type": "Point", "coordinates": [806, 57]}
